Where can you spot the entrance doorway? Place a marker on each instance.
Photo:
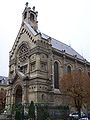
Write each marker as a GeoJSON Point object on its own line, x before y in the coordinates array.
{"type": "Point", "coordinates": [18, 95]}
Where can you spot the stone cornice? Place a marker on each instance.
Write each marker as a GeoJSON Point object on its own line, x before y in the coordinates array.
{"type": "Point", "coordinates": [73, 58]}
{"type": "Point", "coordinates": [38, 50]}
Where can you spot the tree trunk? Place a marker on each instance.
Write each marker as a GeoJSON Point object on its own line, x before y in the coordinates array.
{"type": "Point", "coordinates": [78, 106]}
{"type": "Point", "coordinates": [79, 112]}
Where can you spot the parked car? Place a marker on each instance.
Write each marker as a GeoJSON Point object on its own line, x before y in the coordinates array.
{"type": "Point", "coordinates": [75, 116]}
{"type": "Point", "coordinates": [4, 113]}
{"type": "Point", "coordinates": [88, 115]}
{"type": "Point", "coordinates": [84, 118]}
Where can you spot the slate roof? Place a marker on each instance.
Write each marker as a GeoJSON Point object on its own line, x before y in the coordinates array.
{"type": "Point", "coordinates": [56, 44]}
{"type": "Point", "coordinates": [3, 80]}
{"type": "Point", "coordinates": [63, 47]}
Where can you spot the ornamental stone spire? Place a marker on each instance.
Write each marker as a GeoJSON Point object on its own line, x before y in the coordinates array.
{"type": "Point", "coordinates": [30, 16]}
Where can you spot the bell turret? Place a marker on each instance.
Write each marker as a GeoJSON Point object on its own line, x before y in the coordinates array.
{"type": "Point", "coordinates": [30, 16]}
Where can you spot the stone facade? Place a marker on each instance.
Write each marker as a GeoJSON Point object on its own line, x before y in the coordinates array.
{"type": "Point", "coordinates": [34, 60]}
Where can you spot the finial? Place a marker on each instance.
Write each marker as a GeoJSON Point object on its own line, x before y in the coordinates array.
{"type": "Point", "coordinates": [26, 4]}
{"type": "Point", "coordinates": [33, 8]}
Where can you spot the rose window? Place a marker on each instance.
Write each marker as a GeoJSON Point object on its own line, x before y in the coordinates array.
{"type": "Point", "coordinates": [23, 53]}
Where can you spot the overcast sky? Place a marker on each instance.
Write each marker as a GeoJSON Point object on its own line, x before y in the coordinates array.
{"type": "Point", "coordinates": [65, 20]}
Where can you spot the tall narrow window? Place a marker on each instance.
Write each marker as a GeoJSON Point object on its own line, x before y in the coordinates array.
{"type": "Point", "coordinates": [31, 17]}
{"type": "Point", "coordinates": [80, 71]}
{"type": "Point", "coordinates": [68, 69]}
{"type": "Point", "coordinates": [56, 75]}
{"type": "Point", "coordinates": [89, 74]}
{"type": "Point", "coordinates": [25, 15]}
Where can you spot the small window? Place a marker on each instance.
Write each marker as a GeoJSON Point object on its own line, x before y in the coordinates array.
{"type": "Point", "coordinates": [2, 89]}
{"type": "Point", "coordinates": [25, 15]}
{"type": "Point", "coordinates": [68, 69]}
{"type": "Point", "coordinates": [43, 66]}
{"type": "Point", "coordinates": [89, 74]}
{"type": "Point", "coordinates": [31, 17]}
{"type": "Point", "coordinates": [33, 66]}
{"type": "Point", "coordinates": [80, 71]}
{"type": "Point", "coordinates": [42, 96]}
{"type": "Point", "coordinates": [23, 69]}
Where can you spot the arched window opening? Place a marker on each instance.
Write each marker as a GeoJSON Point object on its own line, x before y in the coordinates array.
{"type": "Point", "coordinates": [31, 17]}
{"type": "Point", "coordinates": [80, 71]}
{"type": "Point", "coordinates": [56, 75]}
{"type": "Point", "coordinates": [42, 96]}
{"type": "Point", "coordinates": [68, 69]}
{"type": "Point", "coordinates": [89, 74]}
{"type": "Point", "coordinates": [18, 95]}
{"type": "Point", "coordinates": [23, 69]}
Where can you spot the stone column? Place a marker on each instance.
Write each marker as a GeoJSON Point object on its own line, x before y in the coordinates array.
{"type": "Point", "coordinates": [25, 92]}
{"type": "Point", "coordinates": [64, 63]}
{"type": "Point", "coordinates": [75, 62]}
{"type": "Point", "coordinates": [52, 75]}
{"type": "Point", "coordinates": [7, 98]}
{"type": "Point", "coordinates": [49, 64]}
{"type": "Point", "coordinates": [28, 68]}
{"type": "Point", "coordinates": [85, 62]}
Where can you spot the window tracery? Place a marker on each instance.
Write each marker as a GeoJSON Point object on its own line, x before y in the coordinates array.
{"type": "Point", "coordinates": [23, 53]}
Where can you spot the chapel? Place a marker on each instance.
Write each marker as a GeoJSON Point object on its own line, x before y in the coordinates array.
{"type": "Point", "coordinates": [37, 63]}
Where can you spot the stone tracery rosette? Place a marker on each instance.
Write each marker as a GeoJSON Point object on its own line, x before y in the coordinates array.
{"type": "Point", "coordinates": [23, 52]}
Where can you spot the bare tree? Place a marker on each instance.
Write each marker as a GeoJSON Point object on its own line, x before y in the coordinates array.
{"type": "Point", "coordinates": [2, 99]}
{"type": "Point", "coordinates": [76, 85]}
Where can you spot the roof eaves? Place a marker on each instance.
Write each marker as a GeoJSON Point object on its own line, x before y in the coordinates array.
{"type": "Point", "coordinates": [30, 28]}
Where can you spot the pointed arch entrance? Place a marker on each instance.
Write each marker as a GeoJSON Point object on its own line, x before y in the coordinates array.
{"type": "Point", "coordinates": [18, 95]}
